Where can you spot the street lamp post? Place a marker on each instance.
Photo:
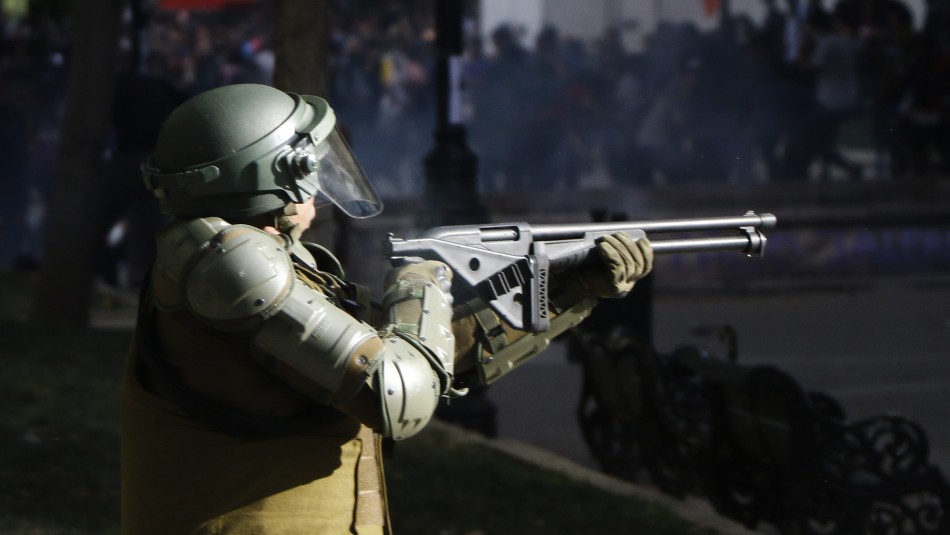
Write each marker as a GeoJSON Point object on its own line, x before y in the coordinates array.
{"type": "Point", "coordinates": [451, 194]}
{"type": "Point", "coordinates": [451, 168]}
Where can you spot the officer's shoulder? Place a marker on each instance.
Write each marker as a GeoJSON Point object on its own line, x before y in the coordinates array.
{"type": "Point", "coordinates": [223, 271]}
{"type": "Point", "coordinates": [184, 237]}
{"type": "Point", "coordinates": [180, 241]}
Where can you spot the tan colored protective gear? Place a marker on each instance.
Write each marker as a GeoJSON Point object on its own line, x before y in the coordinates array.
{"type": "Point", "coordinates": [417, 364]}
{"type": "Point", "coordinates": [626, 261]}
{"type": "Point", "coordinates": [248, 394]}
{"type": "Point", "coordinates": [238, 279]}
{"type": "Point", "coordinates": [181, 477]}
{"type": "Point", "coordinates": [319, 473]}
{"type": "Point", "coordinates": [501, 357]}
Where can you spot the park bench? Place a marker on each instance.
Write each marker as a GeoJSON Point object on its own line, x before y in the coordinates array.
{"type": "Point", "coordinates": [752, 441]}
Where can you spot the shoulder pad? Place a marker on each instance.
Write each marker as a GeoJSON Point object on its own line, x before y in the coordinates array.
{"type": "Point", "coordinates": [225, 274]}
{"type": "Point", "coordinates": [178, 243]}
{"type": "Point", "coordinates": [177, 247]}
{"type": "Point", "coordinates": [243, 274]}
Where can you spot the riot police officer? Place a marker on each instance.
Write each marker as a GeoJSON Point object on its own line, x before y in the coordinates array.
{"type": "Point", "coordinates": [260, 379]}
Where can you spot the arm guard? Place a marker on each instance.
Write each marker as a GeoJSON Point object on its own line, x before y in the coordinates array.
{"type": "Point", "coordinates": [419, 336]}
{"type": "Point", "coordinates": [236, 277]}
{"type": "Point", "coordinates": [502, 349]}
{"type": "Point", "coordinates": [239, 278]}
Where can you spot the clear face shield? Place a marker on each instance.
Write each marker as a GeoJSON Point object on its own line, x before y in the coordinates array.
{"type": "Point", "coordinates": [338, 179]}
{"type": "Point", "coordinates": [326, 168]}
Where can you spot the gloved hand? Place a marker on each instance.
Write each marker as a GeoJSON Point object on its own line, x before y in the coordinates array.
{"type": "Point", "coordinates": [621, 262]}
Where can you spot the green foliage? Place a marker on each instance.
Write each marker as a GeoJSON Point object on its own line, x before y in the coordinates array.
{"type": "Point", "coordinates": [15, 9]}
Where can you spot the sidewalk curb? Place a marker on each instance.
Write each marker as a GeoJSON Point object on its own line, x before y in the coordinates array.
{"type": "Point", "coordinates": [693, 510]}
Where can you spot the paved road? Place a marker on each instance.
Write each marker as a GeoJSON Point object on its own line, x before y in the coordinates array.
{"type": "Point", "coordinates": [877, 347]}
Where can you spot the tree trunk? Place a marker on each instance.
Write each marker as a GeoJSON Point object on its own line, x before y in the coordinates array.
{"type": "Point", "coordinates": [70, 244]}
{"type": "Point", "coordinates": [301, 34]}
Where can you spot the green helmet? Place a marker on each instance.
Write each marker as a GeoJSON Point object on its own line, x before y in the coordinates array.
{"type": "Point", "coordinates": [248, 149]}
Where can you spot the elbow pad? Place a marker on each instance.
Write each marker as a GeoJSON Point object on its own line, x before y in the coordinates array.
{"type": "Point", "coordinates": [408, 388]}
{"type": "Point", "coordinates": [417, 362]}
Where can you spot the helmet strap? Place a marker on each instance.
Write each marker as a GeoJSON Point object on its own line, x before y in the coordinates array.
{"type": "Point", "coordinates": [288, 227]}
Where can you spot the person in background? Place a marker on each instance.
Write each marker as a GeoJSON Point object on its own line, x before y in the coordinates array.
{"type": "Point", "coordinates": [834, 62]}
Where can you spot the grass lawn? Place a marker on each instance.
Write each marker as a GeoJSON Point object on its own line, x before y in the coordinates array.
{"type": "Point", "coordinates": [58, 423]}
{"type": "Point", "coordinates": [60, 474]}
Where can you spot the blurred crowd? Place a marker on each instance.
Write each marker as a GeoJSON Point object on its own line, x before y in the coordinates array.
{"type": "Point", "coordinates": [751, 101]}
{"type": "Point", "coordinates": [769, 102]}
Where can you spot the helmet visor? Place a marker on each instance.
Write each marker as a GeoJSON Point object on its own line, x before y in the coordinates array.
{"type": "Point", "coordinates": [342, 181]}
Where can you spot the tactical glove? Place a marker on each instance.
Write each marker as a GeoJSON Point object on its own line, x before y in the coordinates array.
{"type": "Point", "coordinates": [621, 261]}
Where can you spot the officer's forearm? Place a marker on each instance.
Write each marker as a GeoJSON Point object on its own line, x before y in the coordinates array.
{"type": "Point", "coordinates": [494, 348]}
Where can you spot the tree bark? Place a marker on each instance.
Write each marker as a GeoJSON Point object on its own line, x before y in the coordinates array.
{"type": "Point", "coordinates": [300, 39]}
{"type": "Point", "coordinates": [63, 296]}
{"type": "Point", "coordinates": [301, 34]}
